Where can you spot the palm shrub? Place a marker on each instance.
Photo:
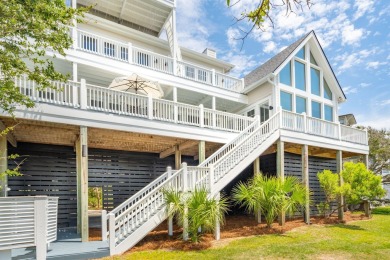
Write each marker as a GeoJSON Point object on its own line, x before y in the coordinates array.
{"type": "Point", "coordinates": [202, 211]}
{"type": "Point", "coordinates": [271, 196]}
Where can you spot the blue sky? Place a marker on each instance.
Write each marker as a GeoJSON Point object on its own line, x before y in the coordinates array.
{"type": "Point", "coordinates": [355, 36]}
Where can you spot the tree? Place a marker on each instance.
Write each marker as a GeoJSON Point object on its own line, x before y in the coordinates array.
{"type": "Point", "coordinates": [270, 195]}
{"type": "Point", "coordinates": [27, 29]}
{"type": "Point", "coordinates": [379, 143]}
{"type": "Point", "coordinates": [365, 185]}
{"type": "Point", "coordinates": [330, 185]}
{"type": "Point", "coordinates": [197, 209]}
{"type": "Point", "coordinates": [261, 12]}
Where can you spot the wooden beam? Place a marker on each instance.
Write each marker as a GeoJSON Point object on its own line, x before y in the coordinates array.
{"type": "Point", "coordinates": [3, 166]}
{"type": "Point", "coordinates": [180, 147]}
{"type": "Point", "coordinates": [177, 159]}
{"type": "Point", "coordinates": [305, 180]}
{"type": "Point", "coordinates": [10, 137]}
{"type": "Point", "coordinates": [280, 173]}
{"type": "Point", "coordinates": [82, 182]}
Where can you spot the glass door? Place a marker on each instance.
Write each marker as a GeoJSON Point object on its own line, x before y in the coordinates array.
{"type": "Point", "coordinates": [264, 111]}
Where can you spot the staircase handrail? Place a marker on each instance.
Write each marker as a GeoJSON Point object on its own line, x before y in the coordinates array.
{"type": "Point", "coordinates": [141, 193]}
{"type": "Point", "coordinates": [232, 143]}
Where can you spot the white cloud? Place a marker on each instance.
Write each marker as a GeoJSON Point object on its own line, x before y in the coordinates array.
{"type": "Point", "coordinates": [363, 7]}
{"type": "Point", "coordinates": [270, 47]}
{"type": "Point", "coordinates": [375, 64]}
{"type": "Point", "coordinates": [385, 102]}
{"type": "Point", "coordinates": [353, 59]}
{"type": "Point", "coordinates": [233, 35]}
{"type": "Point", "coordinates": [351, 36]}
{"type": "Point", "coordinates": [349, 90]}
{"type": "Point", "coordinates": [243, 63]}
{"type": "Point", "coordinates": [364, 85]}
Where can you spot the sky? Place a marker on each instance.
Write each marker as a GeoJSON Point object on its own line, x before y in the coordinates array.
{"type": "Point", "coordinates": [355, 35]}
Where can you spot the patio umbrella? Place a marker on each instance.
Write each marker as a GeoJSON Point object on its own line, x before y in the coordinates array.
{"type": "Point", "coordinates": [138, 85]}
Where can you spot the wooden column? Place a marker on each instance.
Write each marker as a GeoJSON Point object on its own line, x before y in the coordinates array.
{"type": "Point", "coordinates": [339, 163]}
{"type": "Point", "coordinates": [256, 170]}
{"type": "Point", "coordinates": [202, 151]}
{"type": "Point", "coordinates": [217, 231]}
{"type": "Point", "coordinates": [82, 183]}
{"type": "Point", "coordinates": [305, 180]}
{"type": "Point", "coordinates": [367, 210]}
{"type": "Point", "coordinates": [280, 173]}
{"type": "Point", "coordinates": [3, 166]}
{"type": "Point", "coordinates": [177, 158]}
{"type": "Point", "coordinates": [365, 160]}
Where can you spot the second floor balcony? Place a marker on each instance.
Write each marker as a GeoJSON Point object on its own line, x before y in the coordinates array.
{"type": "Point", "coordinates": [127, 53]}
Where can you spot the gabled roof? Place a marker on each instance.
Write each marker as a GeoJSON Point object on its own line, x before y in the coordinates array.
{"type": "Point", "coordinates": [272, 64]}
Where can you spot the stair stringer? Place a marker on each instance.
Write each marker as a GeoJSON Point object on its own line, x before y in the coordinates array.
{"type": "Point", "coordinates": [141, 232]}
{"type": "Point", "coordinates": [236, 170]}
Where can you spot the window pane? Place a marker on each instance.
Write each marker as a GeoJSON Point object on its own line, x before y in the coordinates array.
{"type": "Point", "coordinates": [328, 113]}
{"type": "Point", "coordinates": [315, 109]}
{"type": "Point", "coordinates": [285, 74]}
{"type": "Point", "coordinates": [286, 100]}
{"type": "Point", "coordinates": [300, 105]}
{"type": "Point", "coordinates": [315, 81]}
{"type": "Point", "coordinates": [301, 53]}
{"type": "Point", "coordinates": [327, 92]}
{"type": "Point", "coordinates": [251, 113]}
{"type": "Point", "coordinates": [300, 75]}
{"type": "Point", "coordinates": [264, 112]}
{"type": "Point", "coordinates": [312, 60]}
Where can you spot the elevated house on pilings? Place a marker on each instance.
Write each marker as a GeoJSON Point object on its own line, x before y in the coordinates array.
{"type": "Point", "coordinates": [282, 118]}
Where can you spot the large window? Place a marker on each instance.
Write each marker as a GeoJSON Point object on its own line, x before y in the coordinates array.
{"type": "Point", "coordinates": [300, 104]}
{"type": "Point", "coordinates": [316, 109]}
{"type": "Point", "coordinates": [300, 75]}
{"type": "Point", "coordinates": [286, 100]}
{"type": "Point", "coordinates": [315, 81]}
{"type": "Point", "coordinates": [301, 53]}
{"type": "Point", "coordinates": [285, 74]}
{"type": "Point", "coordinates": [312, 60]}
{"type": "Point", "coordinates": [327, 91]}
{"type": "Point", "coordinates": [328, 113]}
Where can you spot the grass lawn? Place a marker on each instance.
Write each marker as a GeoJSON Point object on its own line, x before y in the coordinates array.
{"type": "Point", "coordinates": [368, 239]}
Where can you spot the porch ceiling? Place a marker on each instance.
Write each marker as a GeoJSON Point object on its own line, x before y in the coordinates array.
{"type": "Point", "coordinates": [62, 134]}
{"type": "Point", "coordinates": [313, 151]}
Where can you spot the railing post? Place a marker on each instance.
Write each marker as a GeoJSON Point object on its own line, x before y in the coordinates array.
{"type": "Point", "coordinates": [75, 36]}
{"type": "Point", "coordinates": [111, 225]}
{"type": "Point", "coordinates": [304, 122]}
{"type": "Point", "coordinates": [280, 117]}
{"type": "Point", "coordinates": [83, 94]}
{"type": "Point", "coordinates": [40, 215]}
{"type": "Point", "coordinates": [174, 66]}
{"type": "Point", "coordinates": [185, 177]}
{"type": "Point", "coordinates": [366, 136]}
{"type": "Point", "coordinates": [104, 225]}
{"type": "Point", "coordinates": [213, 81]}
{"type": "Point", "coordinates": [150, 107]}
{"type": "Point", "coordinates": [201, 115]}
{"type": "Point", "coordinates": [211, 177]}
{"type": "Point", "coordinates": [339, 130]}
{"type": "Point", "coordinates": [130, 52]}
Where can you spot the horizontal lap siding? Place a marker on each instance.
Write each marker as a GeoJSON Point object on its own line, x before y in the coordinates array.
{"type": "Point", "coordinates": [51, 170]}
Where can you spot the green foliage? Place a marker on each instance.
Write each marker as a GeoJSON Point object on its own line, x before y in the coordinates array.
{"type": "Point", "coordinates": [271, 196]}
{"type": "Point", "coordinates": [330, 184]}
{"type": "Point", "coordinates": [365, 185]}
{"type": "Point", "coordinates": [381, 211]}
{"type": "Point", "coordinates": [379, 143]}
{"type": "Point", "coordinates": [202, 211]}
{"type": "Point", "coordinates": [27, 29]}
{"type": "Point", "coordinates": [95, 197]}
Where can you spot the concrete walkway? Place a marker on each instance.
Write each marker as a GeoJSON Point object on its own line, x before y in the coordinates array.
{"type": "Point", "coordinates": [67, 246]}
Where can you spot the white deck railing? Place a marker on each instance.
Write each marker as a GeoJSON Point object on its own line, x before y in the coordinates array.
{"type": "Point", "coordinates": [28, 221]}
{"type": "Point", "coordinates": [122, 51]}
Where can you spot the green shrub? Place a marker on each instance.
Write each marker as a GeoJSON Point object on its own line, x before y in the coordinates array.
{"type": "Point", "coordinates": [381, 211]}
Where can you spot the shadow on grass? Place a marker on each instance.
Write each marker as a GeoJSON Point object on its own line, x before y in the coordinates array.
{"type": "Point", "coordinates": [345, 226]}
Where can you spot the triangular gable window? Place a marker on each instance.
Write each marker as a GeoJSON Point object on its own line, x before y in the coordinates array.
{"type": "Point", "coordinates": [312, 60]}
{"type": "Point", "coordinates": [327, 91]}
{"type": "Point", "coordinates": [301, 53]}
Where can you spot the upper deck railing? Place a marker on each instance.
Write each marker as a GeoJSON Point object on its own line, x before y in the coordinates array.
{"type": "Point", "coordinates": [89, 97]}
{"type": "Point", "coordinates": [126, 52]}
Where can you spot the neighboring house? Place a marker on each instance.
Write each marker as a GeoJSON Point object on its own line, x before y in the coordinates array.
{"type": "Point", "coordinates": [348, 119]}
{"type": "Point", "coordinates": [284, 113]}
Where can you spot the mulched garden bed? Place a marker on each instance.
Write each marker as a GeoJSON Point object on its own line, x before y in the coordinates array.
{"type": "Point", "coordinates": [235, 226]}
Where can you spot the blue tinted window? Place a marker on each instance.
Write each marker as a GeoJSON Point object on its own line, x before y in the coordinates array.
{"type": "Point", "coordinates": [315, 81]}
{"type": "Point", "coordinates": [300, 75]}
{"type": "Point", "coordinates": [312, 60]}
{"type": "Point", "coordinates": [328, 113]}
{"type": "Point", "coordinates": [301, 53]}
{"type": "Point", "coordinates": [285, 74]}
{"type": "Point", "coordinates": [300, 104]}
{"type": "Point", "coordinates": [315, 109]}
{"type": "Point", "coordinates": [327, 91]}
{"type": "Point", "coordinates": [286, 100]}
